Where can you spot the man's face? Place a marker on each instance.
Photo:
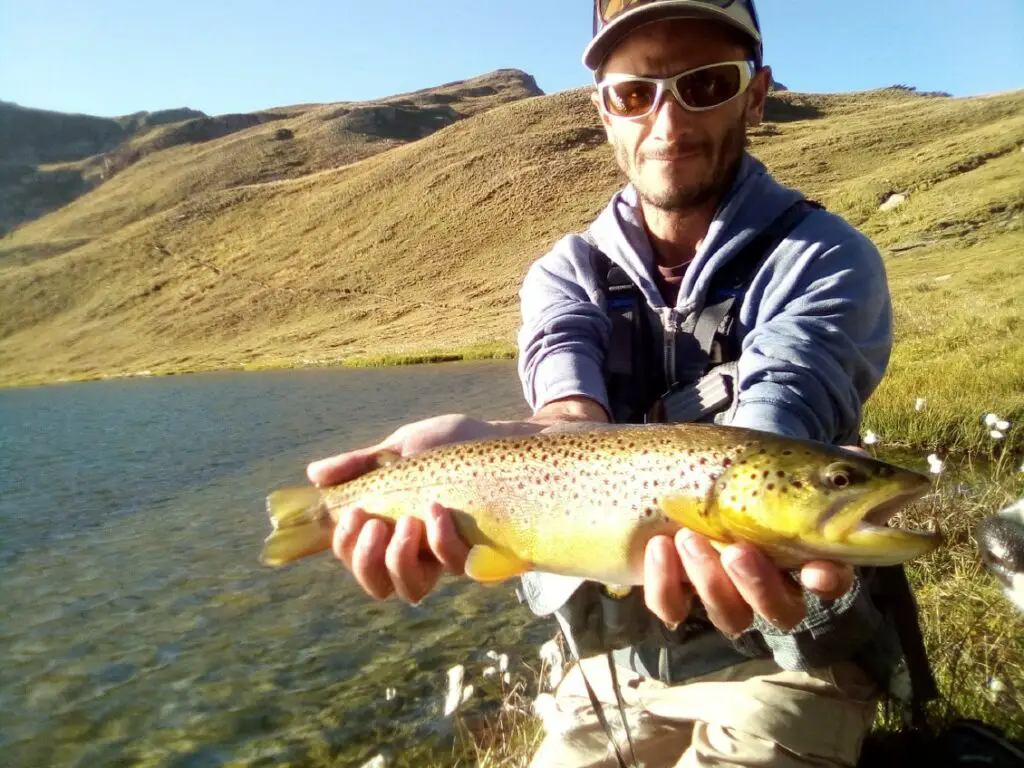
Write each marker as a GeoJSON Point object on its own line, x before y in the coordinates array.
{"type": "Point", "coordinates": [680, 160]}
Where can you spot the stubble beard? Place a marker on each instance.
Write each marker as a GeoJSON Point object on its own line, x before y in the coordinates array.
{"type": "Point", "coordinates": [698, 192]}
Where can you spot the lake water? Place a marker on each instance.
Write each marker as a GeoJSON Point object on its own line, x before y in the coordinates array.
{"type": "Point", "coordinates": [137, 626]}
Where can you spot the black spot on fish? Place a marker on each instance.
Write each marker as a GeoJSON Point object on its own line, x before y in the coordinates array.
{"type": "Point", "coordinates": [766, 473]}
{"type": "Point", "coordinates": [753, 494]}
{"type": "Point", "coordinates": [780, 473]}
{"type": "Point", "coordinates": [771, 486]}
{"type": "Point", "coordinates": [787, 452]}
{"type": "Point", "coordinates": [797, 484]}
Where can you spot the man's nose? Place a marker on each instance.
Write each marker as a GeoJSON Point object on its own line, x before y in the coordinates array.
{"type": "Point", "coordinates": [670, 119]}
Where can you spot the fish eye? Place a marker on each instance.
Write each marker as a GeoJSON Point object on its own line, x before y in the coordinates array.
{"type": "Point", "coordinates": [841, 476]}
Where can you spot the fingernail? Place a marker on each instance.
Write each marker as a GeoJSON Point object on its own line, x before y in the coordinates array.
{"type": "Point", "coordinates": [738, 562]}
{"type": "Point", "coordinates": [658, 556]}
{"type": "Point", "coordinates": [691, 545]}
{"type": "Point", "coordinates": [820, 581]}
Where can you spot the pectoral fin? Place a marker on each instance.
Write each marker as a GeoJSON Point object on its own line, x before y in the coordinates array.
{"type": "Point", "coordinates": [692, 514]}
{"type": "Point", "coordinates": [489, 565]}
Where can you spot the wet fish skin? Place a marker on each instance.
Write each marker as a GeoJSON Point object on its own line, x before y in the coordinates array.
{"type": "Point", "coordinates": [585, 503]}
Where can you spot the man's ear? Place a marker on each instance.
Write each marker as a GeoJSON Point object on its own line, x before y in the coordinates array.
{"type": "Point", "coordinates": [757, 95]}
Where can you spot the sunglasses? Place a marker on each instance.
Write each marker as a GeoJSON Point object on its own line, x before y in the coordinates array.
{"type": "Point", "coordinates": [696, 90]}
{"type": "Point", "coordinates": [606, 10]}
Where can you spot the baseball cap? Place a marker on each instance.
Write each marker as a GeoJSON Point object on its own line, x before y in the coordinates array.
{"type": "Point", "coordinates": [614, 19]}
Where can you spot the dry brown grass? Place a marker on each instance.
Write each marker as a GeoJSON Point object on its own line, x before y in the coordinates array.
{"type": "Point", "coordinates": [196, 257]}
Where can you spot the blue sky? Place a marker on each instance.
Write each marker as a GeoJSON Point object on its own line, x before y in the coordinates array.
{"type": "Point", "coordinates": [113, 57]}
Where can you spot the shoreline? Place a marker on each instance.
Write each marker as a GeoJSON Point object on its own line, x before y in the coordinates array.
{"type": "Point", "coordinates": [936, 439]}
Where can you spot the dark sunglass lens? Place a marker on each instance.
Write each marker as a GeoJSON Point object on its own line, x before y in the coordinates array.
{"type": "Point", "coordinates": [710, 87]}
{"type": "Point", "coordinates": [629, 99]}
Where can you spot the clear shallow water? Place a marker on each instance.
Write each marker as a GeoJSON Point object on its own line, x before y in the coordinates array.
{"type": "Point", "coordinates": [136, 624]}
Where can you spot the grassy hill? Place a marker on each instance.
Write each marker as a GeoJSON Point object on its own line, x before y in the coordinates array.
{"type": "Point", "coordinates": [356, 237]}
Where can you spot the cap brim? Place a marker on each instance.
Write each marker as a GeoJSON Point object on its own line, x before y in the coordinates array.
{"type": "Point", "coordinates": [612, 34]}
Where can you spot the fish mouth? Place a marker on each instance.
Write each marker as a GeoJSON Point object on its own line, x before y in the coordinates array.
{"type": "Point", "coordinates": [878, 515]}
{"type": "Point", "coordinates": [872, 511]}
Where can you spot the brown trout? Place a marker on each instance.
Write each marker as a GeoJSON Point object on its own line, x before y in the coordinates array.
{"type": "Point", "coordinates": [585, 503]}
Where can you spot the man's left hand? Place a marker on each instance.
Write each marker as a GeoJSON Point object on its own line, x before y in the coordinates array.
{"type": "Point", "coordinates": [732, 584]}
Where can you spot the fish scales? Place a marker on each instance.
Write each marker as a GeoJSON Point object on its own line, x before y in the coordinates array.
{"type": "Point", "coordinates": [587, 503]}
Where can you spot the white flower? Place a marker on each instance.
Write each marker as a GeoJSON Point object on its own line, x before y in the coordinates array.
{"type": "Point", "coordinates": [995, 434]}
{"type": "Point", "coordinates": [996, 689]}
{"type": "Point", "coordinates": [920, 403]}
{"type": "Point", "coordinates": [1002, 425]}
{"type": "Point", "coordinates": [466, 693]}
{"type": "Point", "coordinates": [492, 655]}
{"type": "Point", "coordinates": [935, 464]}
{"type": "Point", "coordinates": [503, 662]}
{"type": "Point", "coordinates": [990, 420]}
{"type": "Point", "coordinates": [490, 672]}
{"type": "Point", "coordinates": [389, 694]}
{"type": "Point", "coordinates": [1022, 468]}
{"type": "Point", "coordinates": [454, 696]}
{"type": "Point", "coordinates": [507, 678]}
{"type": "Point", "coordinates": [375, 762]}
{"type": "Point", "coordinates": [870, 438]}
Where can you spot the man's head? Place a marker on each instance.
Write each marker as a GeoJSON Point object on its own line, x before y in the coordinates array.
{"type": "Point", "coordinates": [678, 156]}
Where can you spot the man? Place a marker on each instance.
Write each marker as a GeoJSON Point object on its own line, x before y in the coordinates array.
{"type": "Point", "coordinates": [768, 684]}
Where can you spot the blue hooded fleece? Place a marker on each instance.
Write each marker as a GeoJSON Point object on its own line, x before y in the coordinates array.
{"type": "Point", "coordinates": [815, 325]}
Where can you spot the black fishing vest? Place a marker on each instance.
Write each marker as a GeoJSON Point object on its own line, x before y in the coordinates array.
{"type": "Point", "coordinates": [646, 359]}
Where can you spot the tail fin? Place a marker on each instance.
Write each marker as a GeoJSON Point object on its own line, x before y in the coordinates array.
{"type": "Point", "coordinates": [301, 525]}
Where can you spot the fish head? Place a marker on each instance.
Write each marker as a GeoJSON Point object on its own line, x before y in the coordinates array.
{"type": "Point", "coordinates": [810, 501]}
{"type": "Point", "coordinates": [1000, 539]}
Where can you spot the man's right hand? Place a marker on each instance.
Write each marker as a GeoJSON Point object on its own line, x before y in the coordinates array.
{"type": "Point", "coordinates": [385, 560]}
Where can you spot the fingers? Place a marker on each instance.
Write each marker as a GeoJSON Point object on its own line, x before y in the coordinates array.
{"type": "Point", "coordinates": [412, 576]}
{"type": "Point", "coordinates": [826, 579]}
{"type": "Point", "coordinates": [664, 591]}
{"type": "Point", "coordinates": [444, 540]}
{"type": "Point", "coordinates": [368, 560]}
{"type": "Point", "coordinates": [343, 467]}
{"type": "Point", "coordinates": [763, 586]}
{"type": "Point", "coordinates": [383, 561]}
{"type": "Point", "coordinates": [724, 604]}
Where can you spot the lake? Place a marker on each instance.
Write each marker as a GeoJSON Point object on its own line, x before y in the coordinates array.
{"type": "Point", "coordinates": [137, 625]}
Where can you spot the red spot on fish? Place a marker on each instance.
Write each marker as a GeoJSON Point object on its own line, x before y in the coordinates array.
{"type": "Point", "coordinates": [727, 462]}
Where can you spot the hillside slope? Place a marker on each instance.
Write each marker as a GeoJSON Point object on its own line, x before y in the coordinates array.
{"type": "Point", "coordinates": [191, 258]}
{"type": "Point", "coordinates": [49, 159]}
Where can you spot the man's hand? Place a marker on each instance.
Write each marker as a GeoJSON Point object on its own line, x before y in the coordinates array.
{"type": "Point", "coordinates": [385, 560]}
{"type": "Point", "coordinates": [732, 584]}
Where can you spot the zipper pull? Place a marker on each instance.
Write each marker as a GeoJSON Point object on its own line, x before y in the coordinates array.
{"type": "Point", "coordinates": [670, 320]}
